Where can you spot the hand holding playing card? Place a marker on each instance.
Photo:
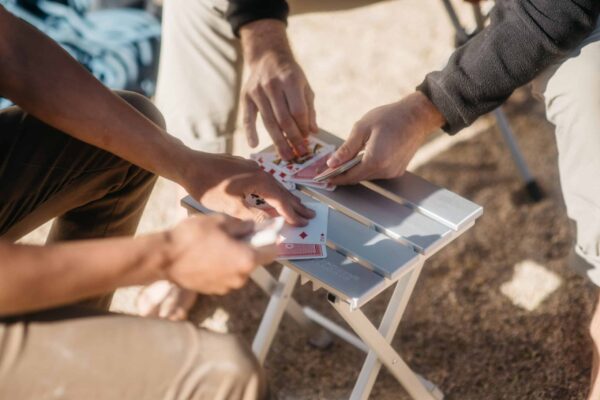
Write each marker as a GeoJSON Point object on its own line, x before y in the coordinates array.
{"type": "Point", "coordinates": [221, 183]}
{"type": "Point", "coordinates": [301, 170]}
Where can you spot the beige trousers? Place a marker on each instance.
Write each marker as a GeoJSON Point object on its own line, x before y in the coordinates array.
{"type": "Point", "coordinates": [199, 78]}
{"type": "Point", "coordinates": [76, 353]}
{"type": "Point", "coordinates": [81, 352]}
{"type": "Point", "coordinates": [571, 93]}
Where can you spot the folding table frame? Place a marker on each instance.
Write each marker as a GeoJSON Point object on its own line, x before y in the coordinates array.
{"type": "Point", "coordinates": [379, 235]}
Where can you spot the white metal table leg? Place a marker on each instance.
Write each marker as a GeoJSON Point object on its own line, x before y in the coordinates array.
{"type": "Point", "coordinates": [387, 328]}
{"type": "Point", "coordinates": [416, 387]}
{"type": "Point", "coordinates": [273, 314]}
{"type": "Point", "coordinates": [318, 335]}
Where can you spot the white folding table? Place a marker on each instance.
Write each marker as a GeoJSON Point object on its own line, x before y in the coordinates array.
{"type": "Point", "coordinates": [380, 233]}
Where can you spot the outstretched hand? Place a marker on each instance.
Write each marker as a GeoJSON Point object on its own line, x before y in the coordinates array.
{"type": "Point", "coordinates": [390, 136]}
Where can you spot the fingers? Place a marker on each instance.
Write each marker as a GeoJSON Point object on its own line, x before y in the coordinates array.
{"type": "Point", "coordinates": [271, 124]}
{"type": "Point", "coordinates": [312, 114]}
{"type": "Point", "coordinates": [354, 175]}
{"type": "Point", "coordinates": [279, 103]}
{"type": "Point", "coordinates": [363, 171]}
{"type": "Point", "coordinates": [298, 106]}
{"type": "Point", "coordinates": [350, 148]}
{"type": "Point", "coordinates": [265, 255]}
{"type": "Point", "coordinates": [287, 205]}
{"type": "Point", "coordinates": [250, 112]}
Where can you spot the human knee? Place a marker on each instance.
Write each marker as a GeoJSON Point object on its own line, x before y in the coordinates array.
{"type": "Point", "coordinates": [143, 105]}
{"type": "Point", "coordinates": [229, 367]}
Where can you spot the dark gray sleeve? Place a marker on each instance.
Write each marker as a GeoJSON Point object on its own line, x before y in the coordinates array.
{"type": "Point", "coordinates": [241, 12]}
{"type": "Point", "coordinates": [523, 38]}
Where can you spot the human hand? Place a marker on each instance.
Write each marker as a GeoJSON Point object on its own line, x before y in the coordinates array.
{"type": "Point", "coordinates": [206, 254]}
{"type": "Point", "coordinates": [390, 136]}
{"type": "Point", "coordinates": [221, 182]}
{"type": "Point", "coordinates": [277, 88]}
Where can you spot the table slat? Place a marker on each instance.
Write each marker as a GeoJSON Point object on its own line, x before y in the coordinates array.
{"type": "Point", "coordinates": [373, 249]}
{"type": "Point", "coordinates": [387, 216]}
{"type": "Point", "coordinates": [342, 276]}
{"type": "Point", "coordinates": [438, 203]}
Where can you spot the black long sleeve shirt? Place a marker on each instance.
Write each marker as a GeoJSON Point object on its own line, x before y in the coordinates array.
{"type": "Point", "coordinates": [523, 38]}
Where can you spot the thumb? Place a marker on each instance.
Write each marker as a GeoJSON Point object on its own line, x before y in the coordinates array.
{"type": "Point", "coordinates": [349, 149]}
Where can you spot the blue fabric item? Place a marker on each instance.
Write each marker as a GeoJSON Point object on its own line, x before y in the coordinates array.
{"type": "Point", "coordinates": [119, 46]}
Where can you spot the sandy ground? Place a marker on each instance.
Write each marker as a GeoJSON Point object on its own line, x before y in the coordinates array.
{"type": "Point", "coordinates": [497, 314]}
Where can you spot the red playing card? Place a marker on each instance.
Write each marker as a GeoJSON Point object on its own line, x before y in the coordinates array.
{"type": "Point", "coordinates": [289, 250]}
{"type": "Point", "coordinates": [312, 170]}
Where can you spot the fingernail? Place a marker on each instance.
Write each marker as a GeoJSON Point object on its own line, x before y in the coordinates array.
{"type": "Point", "coordinates": [332, 162]}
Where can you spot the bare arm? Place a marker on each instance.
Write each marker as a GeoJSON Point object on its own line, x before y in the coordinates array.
{"type": "Point", "coordinates": [35, 277]}
{"type": "Point", "coordinates": [44, 80]}
{"type": "Point", "coordinates": [204, 254]}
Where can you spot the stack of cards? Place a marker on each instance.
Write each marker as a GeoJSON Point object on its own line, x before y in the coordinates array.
{"type": "Point", "coordinates": [301, 170]}
{"type": "Point", "coordinates": [293, 243]}
{"type": "Point", "coordinates": [302, 243]}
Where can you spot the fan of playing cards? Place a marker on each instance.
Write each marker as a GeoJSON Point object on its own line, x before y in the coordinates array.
{"type": "Point", "coordinates": [302, 169]}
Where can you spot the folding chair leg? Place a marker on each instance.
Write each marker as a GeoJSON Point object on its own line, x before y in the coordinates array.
{"type": "Point", "coordinates": [381, 349]}
{"type": "Point", "coordinates": [531, 186]}
{"type": "Point", "coordinates": [318, 336]}
{"type": "Point", "coordinates": [273, 314]}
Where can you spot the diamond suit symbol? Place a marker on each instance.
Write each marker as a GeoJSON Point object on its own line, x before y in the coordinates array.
{"type": "Point", "coordinates": [303, 235]}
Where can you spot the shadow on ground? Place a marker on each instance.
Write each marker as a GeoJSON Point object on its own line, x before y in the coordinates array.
{"type": "Point", "coordinates": [460, 331]}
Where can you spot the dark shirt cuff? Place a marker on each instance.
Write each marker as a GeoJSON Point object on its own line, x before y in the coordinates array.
{"type": "Point", "coordinates": [443, 102]}
{"type": "Point", "coordinates": [242, 12]}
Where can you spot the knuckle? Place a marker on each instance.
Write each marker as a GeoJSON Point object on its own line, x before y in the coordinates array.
{"type": "Point", "coordinates": [271, 83]}
{"type": "Point", "coordinates": [286, 123]}
{"type": "Point", "coordinates": [299, 113]}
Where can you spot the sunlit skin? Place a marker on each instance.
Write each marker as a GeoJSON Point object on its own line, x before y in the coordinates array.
{"type": "Point", "coordinates": [45, 81]}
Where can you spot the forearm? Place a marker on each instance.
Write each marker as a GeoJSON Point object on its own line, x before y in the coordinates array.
{"type": "Point", "coordinates": [523, 38]}
{"type": "Point", "coordinates": [267, 36]}
{"type": "Point", "coordinates": [45, 81]}
{"type": "Point", "coordinates": [34, 277]}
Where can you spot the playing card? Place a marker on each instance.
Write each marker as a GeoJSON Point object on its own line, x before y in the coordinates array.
{"type": "Point", "coordinates": [314, 169]}
{"type": "Point", "coordinates": [272, 163]}
{"type": "Point", "coordinates": [319, 185]}
{"type": "Point", "coordinates": [300, 251]}
{"type": "Point", "coordinates": [314, 232]}
{"type": "Point", "coordinates": [307, 241]}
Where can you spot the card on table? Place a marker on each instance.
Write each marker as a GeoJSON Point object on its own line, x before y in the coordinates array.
{"type": "Point", "coordinates": [308, 241]}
